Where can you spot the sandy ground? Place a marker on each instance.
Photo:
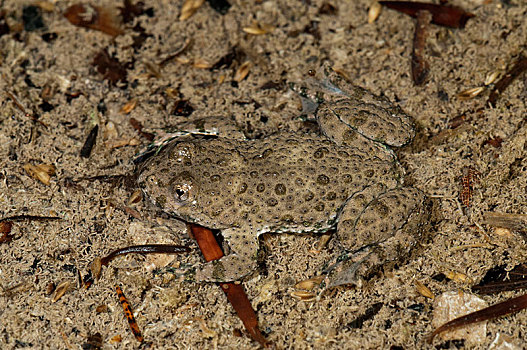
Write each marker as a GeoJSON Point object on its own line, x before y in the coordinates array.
{"type": "Point", "coordinates": [53, 77]}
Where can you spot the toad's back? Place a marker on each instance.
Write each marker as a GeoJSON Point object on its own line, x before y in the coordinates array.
{"type": "Point", "coordinates": [282, 183]}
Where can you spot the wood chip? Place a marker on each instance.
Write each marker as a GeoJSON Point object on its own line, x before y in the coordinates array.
{"type": "Point", "coordinates": [321, 244]}
{"type": "Point", "coordinates": [61, 290]}
{"type": "Point", "coordinates": [470, 93]}
{"type": "Point", "coordinates": [258, 29]}
{"type": "Point", "coordinates": [374, 12]}
{"type": "Point", "coordinates": [310, 283]}
{"type": "Point", "coordinates": [303, 295]}
{"type": "Point", "coordinates": [450, 305]}
{"type": "Point", "coordinates": [202, 64]}
{"type": "Point", "coordinates": [514, 222]}
{"type": "Point", "coordinates": [242, 71]}
{"type": "Point", "coordinates": [136, 197]}
{"type": "Point", "coordinates": [189, 8]}
{"type": "Point", "coordinates": [40, 172]}
{"type": "Point", "coordinates": [94, 17]}
{"type": "Point", "coordinates": [491, 77]}
{"type": "Point", "coordinates": [129, 106]}
{"type": "Point", "coordinates": [424, 290]}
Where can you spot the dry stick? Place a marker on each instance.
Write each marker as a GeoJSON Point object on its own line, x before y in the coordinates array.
{"type": "Point", "coordinates": [497, 310]}
{"type": "Point", "coordinates": [234, 292]}
{"type": "Point", "coordinates": [145, 249]}
{"type": "Point", "coordinates": [515, 222]}
{"type": "Point", "coordinates": [19, 105]}
{"type": "Point", "coordinates": [30, 218]}
{"type": "Point", "coordinates": [419, 65]}
{"type": "Point", "coordinates": [98, 263]}
{"type": "Point", "coordinates": [446, 16]}
{"type": "Point", "coordinates": [503, 83]}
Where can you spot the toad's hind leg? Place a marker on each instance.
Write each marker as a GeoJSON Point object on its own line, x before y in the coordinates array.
{"type": "Point", "coordinates": [337, 130]}
{"type": "Point", "coordinates": [236, 265]}
{"type": "Point", "coordinates": [382, 235]}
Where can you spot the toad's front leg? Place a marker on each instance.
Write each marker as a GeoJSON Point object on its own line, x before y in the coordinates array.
{"type": "Point", "coordinates": [239, 263]}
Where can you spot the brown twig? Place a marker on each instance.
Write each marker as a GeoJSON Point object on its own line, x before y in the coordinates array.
{"type": "Point", "coordinates": [420, 67]}
{"type": "Point", "coordinates": [90, 142]}
{"type": "Point", "coordinates": [447, 16]}
{"type": "Point", "coordinates": [499, 279]}
{"type": "Point", "coordinates": [19, 105]}
{"type": "Point", "coordinates": [98, 263]}
{"type": "Point", "coordinates": [503, 83]}
{"type": "Point", "coordinates": [501, 309]}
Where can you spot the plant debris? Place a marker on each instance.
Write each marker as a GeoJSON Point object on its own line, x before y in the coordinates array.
{"type": "Point", "coordinates": [90, 142]}
{"type": "Point", "coordinates": [128, 312]}
{"type": "Point", "coordinates": [30, 218]}
{"type": "Point", "coordinates": [129, 106]}
{"type": "Point", "coordinates": [235, 294]}
{"type": "Point", "coordinates": [494, 142]}
{"type": "Point", "coordinates": [93, 17]}
{"type": "Point", "coordinates": [420, 67]}
{"type": "Point", "coordinates": [470, 93]}
{"type": "Point", "coordinates": [129, 11]}
{"type": "Point", "coordinates": [498, 279]}
{"type": "Point", "coordinates": [97, 263]}
{"type": "Point", "coordinates": [176, 53]}
{"type": "Point", "coordinates": [182, 108]}
{"type": "Point", "coordinates": [139, 128]}
{"type": "Point", "coordinates": [5, 230]}
{"type": "Point", "coordinates": [110, 67]}
{"type": "Point", "coordinates": [41, 172]}
{"type": "Point", "coordinates": [19, 105]}
{"type": "Point", "coordinates": [448, 16]}
{"type": "Point", "coordinates": [257, 28]}
{"type": "Point", "coordinates": [374, 12]}
{"type": "Point", "coordinates": [61, 289]}
{"type": "Point", "coordinates": [453, 304]}
{"type": "Point", "coordinates": [519, 67]}
{"type": "Point", "coordinates": [93, 342]}
{"type": "Point", "coordinates": [501, 309]}
{"type": "Point", "coordinates": [514, 222]}
{"type": "Point", "coordinates": [189, 8]}
{"type": "Point", "coordinates": [242, 71]}
{"type": "Point", "coordinates": [423, 290]}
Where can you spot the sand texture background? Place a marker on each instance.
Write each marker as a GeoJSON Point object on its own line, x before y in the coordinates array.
{"type": "Point", "coordinates": [50, 71]}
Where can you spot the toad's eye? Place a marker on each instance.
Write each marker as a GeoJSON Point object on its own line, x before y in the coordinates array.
{"type": "Point", "coordinates": [183, 192]}
{"type": "Point", "coordinates": [182, 188]}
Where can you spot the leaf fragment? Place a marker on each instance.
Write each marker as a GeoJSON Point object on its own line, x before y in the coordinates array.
{"type": "Point", "coordinates": [93, 17]}
{"type": "Point", "coordinates": [448, 16]}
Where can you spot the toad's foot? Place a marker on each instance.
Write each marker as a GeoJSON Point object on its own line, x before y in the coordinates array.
{"type": "Point", "coordinates": [383, 235]}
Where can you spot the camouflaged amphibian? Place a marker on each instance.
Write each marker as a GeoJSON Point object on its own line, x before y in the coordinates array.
{"type": "Point", "coordinates": [347, 178]}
